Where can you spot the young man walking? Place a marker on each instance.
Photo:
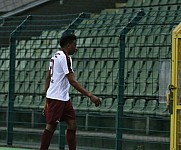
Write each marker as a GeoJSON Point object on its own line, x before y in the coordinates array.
{"type": "Point", "coordinates": [58, 105]}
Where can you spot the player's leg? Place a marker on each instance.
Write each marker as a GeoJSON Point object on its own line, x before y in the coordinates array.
{"type": "Point", "coordinates": [47, 136]}
{"type": "Point", "coordinates": [70, 119]}
{"type": "Point", "coordinates": [55, 109]}
{"type": "Point", "coordinates": [71, 134]}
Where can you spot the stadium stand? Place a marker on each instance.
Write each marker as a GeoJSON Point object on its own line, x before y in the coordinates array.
{"type": "Point", "coordinates": [96, 63]}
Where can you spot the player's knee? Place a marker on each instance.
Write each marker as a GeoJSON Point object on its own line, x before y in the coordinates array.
{"type": "Point", "coordinates": [51, 127]}
{"type": "Point", "coordinates": [71, 125]}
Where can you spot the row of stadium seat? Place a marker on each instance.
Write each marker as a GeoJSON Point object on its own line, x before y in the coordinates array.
{"type": "Point", "coordinates": [85, 66]}
{"type": "Point", "coordinates": [139, 3]}
{"type": "Point", "coordinates": [131, 89]}
{"type": "Point", "coordinates": [103, 53]}
{"type": "Point", "coordinates": [139, 106]}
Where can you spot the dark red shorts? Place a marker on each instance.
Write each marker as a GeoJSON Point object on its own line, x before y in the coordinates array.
{"type": "Point", "coordinates": [57, 110]}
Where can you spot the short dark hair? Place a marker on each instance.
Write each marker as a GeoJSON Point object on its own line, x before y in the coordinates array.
{"type": "Point", "coordinates": [67, 38]}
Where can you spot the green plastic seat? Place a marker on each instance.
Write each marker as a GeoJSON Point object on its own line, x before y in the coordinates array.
{"type": "Point", "coordinates": [5, 101]}
{"type": "Point", "coordinates": [151, 107]}
{"type": "Point", "coordinates": [129, 88]}
{"type": "Point", "coordinates": [152, 89]}
{"type": "Point", "coordinates": [76, 102]}
{"type": "Point", "coordinates": [114, 106]}
{"type": "Point", "coordinates": [162, 110]}
{"type": "Point", "coordinates": [36, 102]}
{"type": "Point", "coordinates": [2, 98]}
{"type": "Point", "coordinates": [139, 106]}
{"type": "Point", "coordinates": [140, 89]}
{"type": "Point", "coordinates": [92, 108]}
{"type": "Point", "coordinates": [106, 105]}
{"type": "Point", "coordinates": [84, 104]}
{"type": "Point", "coordinates": [128, 106]}
{"type": "Point", "coordinates": [18, 100]}
{"type": "Point", "coordinates": [27, 101]}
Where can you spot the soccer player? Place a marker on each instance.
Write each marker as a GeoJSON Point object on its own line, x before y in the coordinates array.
{"type": "Point", "coordinates": [58, 105]}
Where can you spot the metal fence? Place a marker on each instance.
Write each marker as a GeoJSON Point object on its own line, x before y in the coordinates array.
{"type": "Point", "coordinates": [123, 56]}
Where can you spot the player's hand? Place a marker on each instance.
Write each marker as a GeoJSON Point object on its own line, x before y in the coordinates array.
{"type": "Point", "coordinates": [95, 100]}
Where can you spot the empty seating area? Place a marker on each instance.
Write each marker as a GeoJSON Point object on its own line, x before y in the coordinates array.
{"type": "Point", "coordinates": [96, 63]}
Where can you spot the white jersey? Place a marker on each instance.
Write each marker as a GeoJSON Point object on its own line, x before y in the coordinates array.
{"type": "Point", "coordinates": [60, 65]}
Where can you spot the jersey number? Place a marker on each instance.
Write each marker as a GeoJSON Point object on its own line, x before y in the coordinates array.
{"type": "Point", "coordinates": [51, 69]}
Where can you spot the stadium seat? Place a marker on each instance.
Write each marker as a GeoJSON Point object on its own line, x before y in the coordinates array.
{"type": "Point", "coordinates": [140, 89]}
{"type": "Point", "coordinates": [5, 101]}
{"type": "Point", "coordinates": [102, 76]}
{"type": "Point", "coordinates": [130, 3]}
{"type": "Point", "coordinates": [83, 77]}
{"type": "Point", "coordinates": [138, 3]}
{"type": "Point", "coordinates": [5, 75]}
{"type": "Point", "coordinates": [88, 53]}
{"type": "Point", "coordinates": [108, 89]}
{"type": "Point", "coordinates": [93, 75]}
{"type": "Point", "coordinates": [152, 89]}
{"type": "Point", "coordinates": [1, 86]}
{"type": "Point", "coordinates": [76, 102]}
{"type": "Point", "coordinates": [36, 102]}
{"type": "Point", "coordinates": [84, 104]}
{"type": "Point", "coordinates": [162, 110]}
{"type": "Point", "coordinates": [5, 52]}
{"type": "Point", "coordinates": [6, 87]}
{"type": "Point", "coordinates": [153, 77]}
{"type": "Point", "coordinates": [129, 88]}
{"type": "Point", "coordinates": [128, 106]}
{"type": "Point", "coordinates": [151, 107]}
{"type": "Point", "coordinates": [112, 77]}
{"type": "Point", "coordinates": [27, 101]}
{"type": "Point", "coordinates": [139, 106]}
{"type": "Point", "coordinates": [92, 108]}
{"type": "Point", "coordinates": [128, 65]}
{"type": "Point", "coordinates": [21, 65]}
{"type": "Point", "coordinates": [163, 2]}
{"type": "Point", "coordinates": [24, 87]}
{"type": "Point", "coordinates": [2, 99]}
{"type": "Point", "coordinates": [18, 100]}
{"type": "Point", "coordinates": [142, 76]}
{"type": "Point", "coordinates": [144, 52]}
{"type": "Point", "coordinates": [106, 104]}
{"type": "Point", "coordinates": [18, 85]}
{"type": "Point", "coordinates": [5, 65]}
{"type": "Point", "coordinates": [20, 45]}
{"type": "Point", "coordinates": [172, 2]}
{"type": "Point", "coordinates": [114, 106]}
{"type": "Point", "coordinates": [132, 76]}
{"type": "Point", "coordinates": [99, 88]}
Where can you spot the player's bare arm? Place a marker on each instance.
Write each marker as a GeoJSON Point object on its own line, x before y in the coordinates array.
{"type": "Point", "coordinates": [47, 83]}
{"type": "Point", "coordinates": [80, 88]}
